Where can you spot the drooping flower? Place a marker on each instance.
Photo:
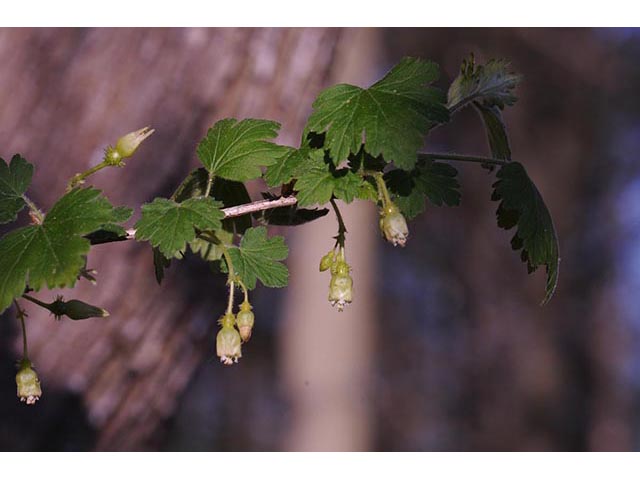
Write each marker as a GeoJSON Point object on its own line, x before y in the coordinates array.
{"type": "Point", "coordinates": [29, 390]}
{"type": "Point", "coordinates": [341, 284]}
{"type": "Point", "coordinates": [228, 341]}
{"type": "Point", "coordinates": [245, 321]}
{"type": "Point", "coordinates": [393, 225]}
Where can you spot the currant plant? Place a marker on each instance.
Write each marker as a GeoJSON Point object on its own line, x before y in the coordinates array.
{"type": "Point", "coordinates": [359, 143]}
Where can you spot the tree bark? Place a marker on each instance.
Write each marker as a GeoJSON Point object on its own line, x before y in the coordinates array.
{"type": "Point", "coordinates": [66, 94]}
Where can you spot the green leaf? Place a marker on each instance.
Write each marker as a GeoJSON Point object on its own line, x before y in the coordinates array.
{"type": "Point", "coordinates": [286, 167]}
{"type": "Point", "coordinates": [230, 193]}
{"type": "Point", "coordinates": [489, 88]}
{"type": "Point", "coordinates": [367, 191]}
{"type": "Point", "coordinates": [433, 180]}
{"type": "Point", "coordinates": [521, 205]}
{"type": "Point", "coordinates": [411, 205]}
{"type": "Point", "coordinates": [15, 178]}
{"type": "Point", "coordinates": [211, 251]}
{"type": "Point", "coordinates": [491, 85]}
{"type": "Point", "coordinates": [438, 182]}
{"type": "Point", "coordinates": [258, 257]}
{"type": "Point", "coordinates": [236, 150]}
{"type": "Point", "coordinates": [170, 225]}
{"type": "Point", "coordinates": [160, 264]}
{"type": "Point", "coordinates": [318, 181]}
{"type": "Point", "coordinates": [392, 116]}
{"type": "Point", "coordinates": [52, 254]}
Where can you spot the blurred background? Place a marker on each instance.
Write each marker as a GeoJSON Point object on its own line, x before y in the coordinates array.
{"type": "Point", "coordinates": [445, 346]}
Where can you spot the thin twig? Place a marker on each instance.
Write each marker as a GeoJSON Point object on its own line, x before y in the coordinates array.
{"type": "Point", "coordinates": [342, 228]}
{"type": "Point", "coordinates": [258, 206]}
{"type": "Point", "coordinates": [230, 212]}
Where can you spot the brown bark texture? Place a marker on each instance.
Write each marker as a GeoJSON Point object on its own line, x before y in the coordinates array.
{"type": "Point", "coordinates": [65, 95]}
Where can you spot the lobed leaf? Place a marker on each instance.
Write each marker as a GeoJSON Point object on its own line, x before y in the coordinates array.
{"type": "Point", "coordinates": [286, 168]}
{"type": "Point", "coordinates": [433, 180]}
{"type": "Point", "coordinates": [258, 258]}
{"type": "Point", "coordinates": [319, 181]}
{"type": "Point", "coordinates": [237, 150]}
{"type": "Point", "coordinates": [522, 206]}
{"type": "Point", "coordinates": [169, 225]}
{"type": "Point", "coordinates": [15, 178]}
{"type": "Point", "coordinates": [52, 253]}
{"type": "Point", "coordinates": [391, 116]}
{"type": "Point", "coordinates": [490, 84]}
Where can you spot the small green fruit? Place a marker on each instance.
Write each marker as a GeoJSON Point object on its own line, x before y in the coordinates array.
{"type": "Point", "coordinates": [76, 310]}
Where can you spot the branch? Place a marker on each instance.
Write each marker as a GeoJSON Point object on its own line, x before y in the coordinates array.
{"type": "Point", "coordinates": [103, 236]}
{"type": "Point", "coordinates": [460, 158]}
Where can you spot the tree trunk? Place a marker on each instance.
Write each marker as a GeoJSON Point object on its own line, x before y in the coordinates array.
{"type": "Point", "coordinates": [327, 355]}
{"type": "Point", "coordinates": [66, 94]}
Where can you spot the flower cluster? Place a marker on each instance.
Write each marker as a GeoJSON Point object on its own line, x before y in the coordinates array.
{"type": "Point", "coordinates": [341, 283]}
{"type": "Point", "coordinates": [229, 340]}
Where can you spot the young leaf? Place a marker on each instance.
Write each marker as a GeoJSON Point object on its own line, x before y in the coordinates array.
{"type": "Point", "coordinates": [230, 193]}
{"type": "Point", "coordinates": [169, 225]}
{"type": "Point", "coordinates": [258, 257]}
{"type": "Point", "coordinates": [521, 205]}
{"type": "Point", "coordinates": [236, 150]}
{"type": "Point", "coordinates": [319, 181]}
{"type": "Point", "coordinates": [14, 181]}
{"type": "Point", "coordinates": [490, 84]}
{"type": "Point", "coordinates": [393, 115]}
{"type": "Point", "coordinates": [52, 253]}
{"type": "Point", "coordinates": [488, 88]}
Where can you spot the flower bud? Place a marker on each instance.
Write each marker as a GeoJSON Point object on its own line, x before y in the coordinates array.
{"type": "Point", "coordinates": [29, 390]}
{"type": "Point", "coordinates": [126, 146]}
{"type": "Point", "coordinates": [327, 261]}
{"type": "Point", "coordinates": [129, 143]}
{"type": "Point", "coordinates": [393, 225]}
{"type": "Point", "coordinates": [341, 286]}
{"type": "Point", "coordinates": [228, 341]}
{"type": "Point", "coordinates": [76, 309]}
{"type": "Point", "coordinates": [245, 321]}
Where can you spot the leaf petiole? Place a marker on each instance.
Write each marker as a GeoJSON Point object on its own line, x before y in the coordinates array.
{"type": "Point", "coordinates": [36, 213]}
{"type": "Point", "coordinates": [454, 157]}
